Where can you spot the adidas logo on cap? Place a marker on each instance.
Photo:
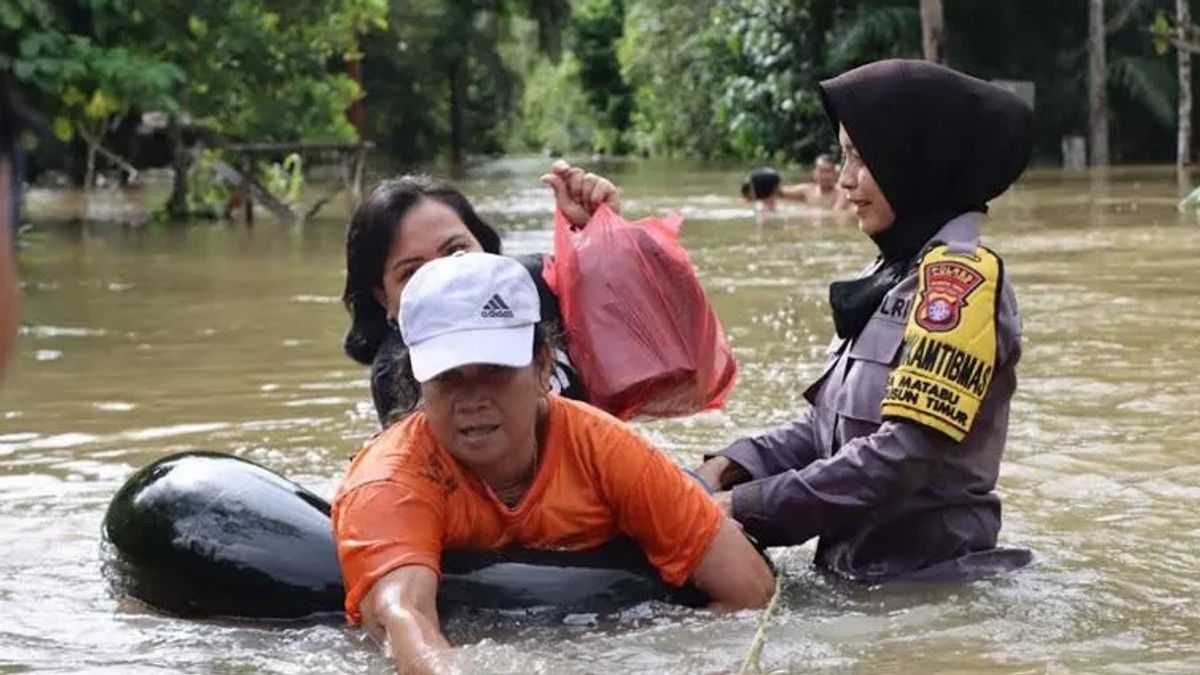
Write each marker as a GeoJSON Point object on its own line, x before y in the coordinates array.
{"type": "Point", "coordinates": [496, 308]}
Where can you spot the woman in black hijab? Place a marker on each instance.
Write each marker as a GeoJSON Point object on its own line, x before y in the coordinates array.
{"type": "Point", "coordinates": [894, 465]}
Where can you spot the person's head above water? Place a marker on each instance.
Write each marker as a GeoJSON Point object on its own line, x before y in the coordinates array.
{"type": "Point", "coordinates": [471, 323]}
{"type": "Point", "coordinates": [761, 184]}
{"type": "Point", "coordinates": [825, 173]}
{"type": "Point", "coordinates": [401, 225]}
{"type": "Point", "coordinates": [922, 144]}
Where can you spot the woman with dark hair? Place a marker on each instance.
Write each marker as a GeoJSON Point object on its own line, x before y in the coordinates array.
{"type": "Point", "coordinates": [406, 222]}
{"type": "Point", "coordinates": [894, 465]}
{"type": "Point", "coordinates": [495, 460]}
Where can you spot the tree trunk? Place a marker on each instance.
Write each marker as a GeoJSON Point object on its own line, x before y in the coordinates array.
{"type": "Point", "coordinates": [1183, 148]}
{"type": "Point", "coordinates": [89, 176]}
{"type": "Point", "coordinates": [932, 30]}
{"type": "Point", "coordinates": [1097, 84]}
{"type": "Point", "coordinates": [458, 102]}
{"type": "Point", "coordinates": [358, 109]}
{"type": "Point", "coordinates": [822, 15]}
{"type": "Point", "coordinates": [181, 162]}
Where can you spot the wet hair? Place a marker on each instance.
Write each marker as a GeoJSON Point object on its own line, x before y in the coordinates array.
{"type": "Point", "coordinates": [368, 240]}
{"type": "Point", "coordinates": [761, 183]}
{"type": "Point", "coordinates": [547, 337]}
{"type": "Point", "coordinates": [825, 158]}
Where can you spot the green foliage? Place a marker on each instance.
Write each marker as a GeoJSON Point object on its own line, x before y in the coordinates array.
{"type": "Point", "coordinates": [283, 179]}
{"type": "Point", "coordinates": [87, 82]}
{"type": "Point", "coordinates": [245, 69]}
{"type": "Point", "coordinates": [707, 78]}
{"type": "Point", "coordinates": [556, 117]}
{"type": "Point", "coordinates": [259, 69]}
{"type": "Point", "coordinates": [737, 78]}
{"type": "Point", "coordinates": [768, 102]}
{"type": "Point", "coordinates": [209, 196]}
{"type": "Point", "coordinates": [1191, 202]}
{"type": "Point", "coordinates": [494, 45]}
{"type": "Point", "coordinates": [597, 29]}
{"type": "Point", "coordinates": [869, 33]}
{"type": "Point", "coordinates": [551, 17]}
{"type": "Point", "coordinates": [675, 101]}
{"type": "Point", "coordinates": [1161, 31]}
{"type": "Point", "coordinates": [1147, 80]}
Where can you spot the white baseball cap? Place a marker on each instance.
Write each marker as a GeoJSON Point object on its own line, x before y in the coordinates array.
{"type": "Point", "coordinates": [468, 308]}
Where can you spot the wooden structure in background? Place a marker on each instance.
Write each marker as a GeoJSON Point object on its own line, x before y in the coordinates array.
{"type": "Point", "coordinates": [350, 157]}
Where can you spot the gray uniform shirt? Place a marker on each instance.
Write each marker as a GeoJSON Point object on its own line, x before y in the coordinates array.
{"type": "Point", "coordinates": [888, 499]}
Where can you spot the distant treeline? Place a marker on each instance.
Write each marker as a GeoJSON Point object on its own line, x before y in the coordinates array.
{"type": "Point", "coordinates": [717, 79]}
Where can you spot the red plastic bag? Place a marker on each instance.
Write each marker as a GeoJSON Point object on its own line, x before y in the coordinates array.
{"type": "Point", "coordinates": [640, 329]}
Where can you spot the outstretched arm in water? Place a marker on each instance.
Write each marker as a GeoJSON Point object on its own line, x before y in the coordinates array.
{"type": "Point", "coordinates": [732, 574]}
{"type": "Point", "coordinates": [791, 446]}
{"type": "Point", "coordinates": [677, 525]}
{"type": "Point", "coordinates": [400, 611]}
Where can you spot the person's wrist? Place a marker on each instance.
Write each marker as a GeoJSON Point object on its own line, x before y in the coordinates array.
{"type": "Point", "coordinates": [731, 474]}
{"type": "Point", "coordinates": [713, 471]}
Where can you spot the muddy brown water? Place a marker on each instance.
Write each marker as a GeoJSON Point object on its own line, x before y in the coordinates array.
{"type": "Point", "coordinates": [142, 341]}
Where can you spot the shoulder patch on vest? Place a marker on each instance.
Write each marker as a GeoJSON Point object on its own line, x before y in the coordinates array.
{"type": "Point", "coordinates": [949, 343]}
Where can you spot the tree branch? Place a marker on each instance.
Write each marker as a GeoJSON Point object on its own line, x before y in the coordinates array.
{"type": "Point", "coordinates": [1118, 22]}
{"type": "Point", "coordinates": [1186, 46]}
{"type": "Point", "coordinates": [111, 156]}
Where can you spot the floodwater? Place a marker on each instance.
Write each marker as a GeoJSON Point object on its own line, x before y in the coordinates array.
{"type": "Point", "coordinates": [140, 341]}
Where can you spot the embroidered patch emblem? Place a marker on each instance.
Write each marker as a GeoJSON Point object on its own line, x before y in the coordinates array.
{"type": "Point", "coordinates": [944, 294]}
{"type": "Point", "coordinates": [949, 354]}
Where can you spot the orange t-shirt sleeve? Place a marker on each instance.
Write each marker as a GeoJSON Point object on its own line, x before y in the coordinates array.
{"type": "Point", "coordinates": [659, 506]}
{"type": "Point", "coordinates": [383, 525]}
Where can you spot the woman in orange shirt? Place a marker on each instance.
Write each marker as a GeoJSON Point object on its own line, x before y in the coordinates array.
{"type": "Point", "coordinates": [492, 459]}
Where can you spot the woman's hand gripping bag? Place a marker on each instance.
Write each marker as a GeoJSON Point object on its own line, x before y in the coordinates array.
{"type": "Point", "coordinates": [640, 329]}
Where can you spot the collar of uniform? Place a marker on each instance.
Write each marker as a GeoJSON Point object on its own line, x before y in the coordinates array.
{"type": "Point", "coordinates": [961, 233]}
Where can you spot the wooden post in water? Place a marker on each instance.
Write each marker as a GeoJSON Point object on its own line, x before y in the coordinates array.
{"type": "Point", "coordinates": [360, 164]}
{"type": "Point", "coordinates": [247, 192]}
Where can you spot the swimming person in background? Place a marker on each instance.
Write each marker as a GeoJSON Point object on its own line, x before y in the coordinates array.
{"type": "Point", "coordinates": [894, 465]}
{"type": "Point", "coordinates": [493, 459]}
{"type": "Point", "coordinates": [766, 185]}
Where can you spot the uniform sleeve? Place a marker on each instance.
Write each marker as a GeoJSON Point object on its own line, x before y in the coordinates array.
{"type": "Point", "coordinates": [931, 402]}
{"type": "Point", "coordinates": [790, 508]}
{"type": "Point", "coordinates": [381, 526]}
{"type": "Point", "coordinates": [791, 446]}
{"type": "Point", "coordinates": [665, 511]}
{"type": "Point", "coordinates": [950, 343]}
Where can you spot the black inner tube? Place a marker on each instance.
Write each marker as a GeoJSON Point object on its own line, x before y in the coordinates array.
{"type": "Point", "coordinates": [204, 534]}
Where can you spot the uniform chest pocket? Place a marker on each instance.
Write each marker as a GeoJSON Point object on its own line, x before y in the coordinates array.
{"type": "Point", "coordinates": [871, 358]}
